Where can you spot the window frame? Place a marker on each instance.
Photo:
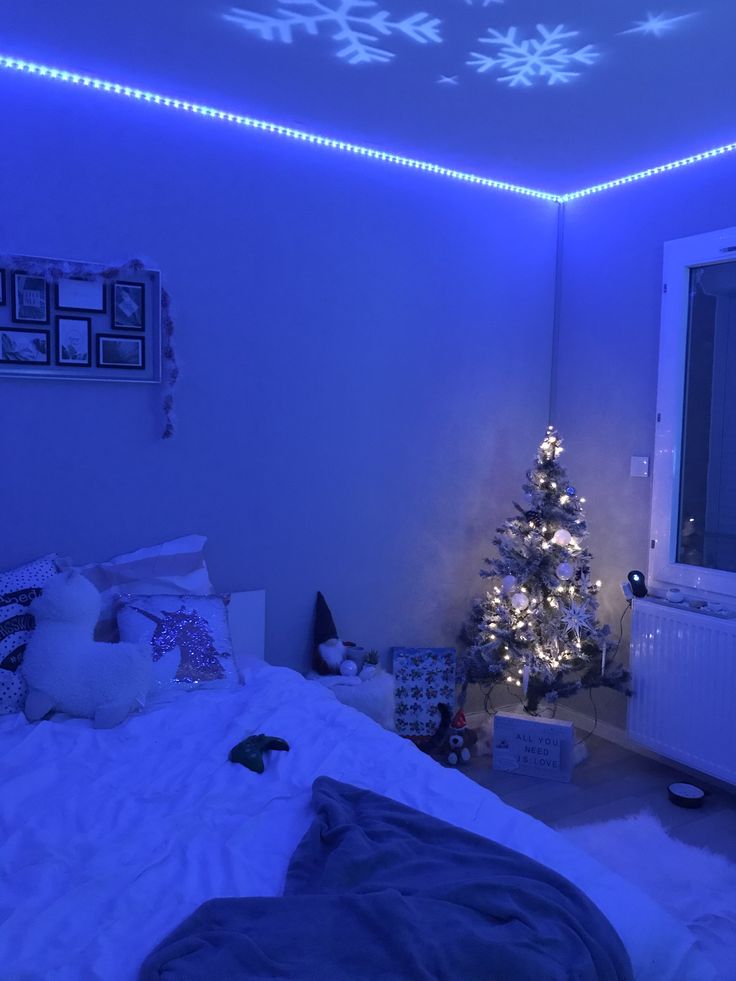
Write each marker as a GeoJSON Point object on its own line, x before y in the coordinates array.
{"type": "Point", "coordinates": [680, 256]}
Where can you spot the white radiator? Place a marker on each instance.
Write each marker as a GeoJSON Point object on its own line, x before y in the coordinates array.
{"type": "Point", "coordinates": [683, 665]}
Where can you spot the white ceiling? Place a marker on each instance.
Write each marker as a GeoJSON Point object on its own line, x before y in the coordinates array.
{"type": "Point", "coordinates": [553, 94]}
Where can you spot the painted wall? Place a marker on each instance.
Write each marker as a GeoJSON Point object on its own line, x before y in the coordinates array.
{"type": "Point", "coordinates": [365, 360]}
{"type": "Point", "coordinates": [606, 373]}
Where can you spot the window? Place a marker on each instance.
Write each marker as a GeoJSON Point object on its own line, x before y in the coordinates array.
{"type": "Point", "coordinates": [694, 491]}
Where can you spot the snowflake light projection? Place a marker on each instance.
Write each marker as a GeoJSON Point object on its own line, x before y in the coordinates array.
{"type": "Point", "coordinates": [482, 3]}
{"type": "Point", "coordinates": [655, 25]}
{"type": "Point", "coordinates": [528, 60]}
{"type": "Point", "coordinates": [357, 25]}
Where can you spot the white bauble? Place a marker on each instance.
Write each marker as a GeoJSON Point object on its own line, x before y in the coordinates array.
{"type": "Point", "coordinates": [561, 537]}
{"type": "Point", "coordinates": [564, 570]}
{"type": "Point", "coordinates": [349, 669]}
{"type": "Point", "coordinates": [507, 584]}
{"type": "Point", "coordinates": [520, 601]}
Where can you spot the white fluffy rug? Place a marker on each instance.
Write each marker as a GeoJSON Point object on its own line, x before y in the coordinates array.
{"type": "Point", "coordinates": [696, 885]}
{"type": "Point", "coordinates": [373, 697]}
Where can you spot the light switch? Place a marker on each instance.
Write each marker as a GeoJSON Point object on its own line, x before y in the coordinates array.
{"type": "Point", "coordinates": [640, 466]}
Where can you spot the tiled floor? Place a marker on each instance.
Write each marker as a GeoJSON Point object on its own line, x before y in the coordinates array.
{"type": "Point", "coordinates": [613, 783]}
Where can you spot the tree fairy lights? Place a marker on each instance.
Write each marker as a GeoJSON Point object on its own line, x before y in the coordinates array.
{"type": "Point", "coordinates": [81, 81]}
{"type": "Point", "coordinates": [536, 628]}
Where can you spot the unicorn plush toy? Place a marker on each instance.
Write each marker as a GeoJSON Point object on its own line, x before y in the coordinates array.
{"type": "Point", "coordinates": [67, 671]}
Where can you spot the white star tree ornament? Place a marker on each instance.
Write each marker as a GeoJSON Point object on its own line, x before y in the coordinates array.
{"type": "Point", "coordinates": [577, 618]}
{"type": "Point", "coordinates": [655, 25]}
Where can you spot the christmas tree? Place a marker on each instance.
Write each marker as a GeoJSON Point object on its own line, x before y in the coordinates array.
{"type": "Point", "coordinates": [537, 628]}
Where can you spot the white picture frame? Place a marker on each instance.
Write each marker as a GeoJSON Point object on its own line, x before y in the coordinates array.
{"type": "Point", "coordinates": [81, 294]}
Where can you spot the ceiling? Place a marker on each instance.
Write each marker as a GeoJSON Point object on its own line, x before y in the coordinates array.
{"type": "Point", "coordinates": [552, 94]}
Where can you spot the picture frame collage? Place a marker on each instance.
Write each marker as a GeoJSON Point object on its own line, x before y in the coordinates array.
{"type": "Point", "coordinates": [76, 326]}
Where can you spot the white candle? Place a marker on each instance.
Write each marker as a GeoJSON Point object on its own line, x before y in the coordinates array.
{"type": "Point", "coordinates": [525, 678]}
{"type": "Point", "coordinates": [603, 659]}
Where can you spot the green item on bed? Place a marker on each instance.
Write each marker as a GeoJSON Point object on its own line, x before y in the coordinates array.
{"type": "Point", "coordinates": [250, 751]}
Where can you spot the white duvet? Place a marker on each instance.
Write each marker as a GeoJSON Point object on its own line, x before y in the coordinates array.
{"type": "Point", "coordinates": [108, 839]}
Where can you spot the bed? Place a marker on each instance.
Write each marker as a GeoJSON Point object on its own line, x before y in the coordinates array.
{"type": "Point", "coordinates": [109, 838]}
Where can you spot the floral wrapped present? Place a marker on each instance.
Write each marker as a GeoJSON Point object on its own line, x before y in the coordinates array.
{"type": "Point", "coordinates": [424, 677]}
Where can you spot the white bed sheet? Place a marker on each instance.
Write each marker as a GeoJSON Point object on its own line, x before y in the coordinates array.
{"type": "Point", "coordinates": [108, 839]}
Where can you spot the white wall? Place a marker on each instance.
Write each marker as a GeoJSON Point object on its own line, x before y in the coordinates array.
{"type": "Point", "coordinates": [606, 373]}
{"type": "Point", "coordinates": [365, 362]}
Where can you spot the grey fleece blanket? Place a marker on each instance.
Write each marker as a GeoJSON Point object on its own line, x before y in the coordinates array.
{"type": "Point", "coordinates": [376, 890]}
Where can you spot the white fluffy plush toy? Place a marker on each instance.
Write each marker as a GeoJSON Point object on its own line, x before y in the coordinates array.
{"type": "Point", "coordinates": [67, 670]}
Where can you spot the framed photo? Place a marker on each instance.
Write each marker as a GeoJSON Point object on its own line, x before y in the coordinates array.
{"type": "Point", "coordinates": [128, 306]}
{"type": "Point", "coordinates": [30, 299]}
{"type": "Point", "coordinates": [21, 346]}
{"type": "Point", "coordinates": [74, 341]}
{"type": "Point", "coordinates": [81, 294]}
{"type": "Point", "coordinates": [120, 352]}
{"type": "Point", "coordinates": [80, 321]}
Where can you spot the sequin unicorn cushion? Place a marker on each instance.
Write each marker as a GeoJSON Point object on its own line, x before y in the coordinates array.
{"type": "Point", "coordinates": [189, 639]}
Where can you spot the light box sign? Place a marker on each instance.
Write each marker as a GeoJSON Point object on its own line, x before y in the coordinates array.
{"type": "Point", "coordinates": [532, 747]}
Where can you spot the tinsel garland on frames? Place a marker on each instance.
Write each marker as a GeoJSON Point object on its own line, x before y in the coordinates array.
{"type": "Point", "coordinates": [53, 270]}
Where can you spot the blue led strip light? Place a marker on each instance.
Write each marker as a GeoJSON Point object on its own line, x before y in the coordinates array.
{"type": "Point", "coordinates": [649, 172]}
{"type": "Point", "coordinates": [86, 81]}
{"type": "Point", "coordinates": [116, 88]}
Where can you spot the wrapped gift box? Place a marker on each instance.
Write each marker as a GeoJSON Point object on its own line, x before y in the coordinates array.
{"type": "Point", "coordinates": [424, 677]}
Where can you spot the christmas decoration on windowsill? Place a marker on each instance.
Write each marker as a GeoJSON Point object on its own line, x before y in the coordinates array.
{"type": "Point", "coordinates": [536, 629]}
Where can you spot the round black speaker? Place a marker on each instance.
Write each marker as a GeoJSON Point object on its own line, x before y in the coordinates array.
{"type": "Point", "coordinates": [638, 583]}
{"type": "Point", "coordinates": [686, 794]}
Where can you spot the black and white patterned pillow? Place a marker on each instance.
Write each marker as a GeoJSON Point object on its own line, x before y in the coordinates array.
{"type": "Point", "coordinates": [13, 691]}
{"type": "Point", "coordinates": [18, 589]}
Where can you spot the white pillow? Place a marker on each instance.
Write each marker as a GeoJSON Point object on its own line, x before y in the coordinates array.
{"type": "Point", "coordinates": [175, 567]}
{"type": "Point", "coordinates": [188, 636]}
